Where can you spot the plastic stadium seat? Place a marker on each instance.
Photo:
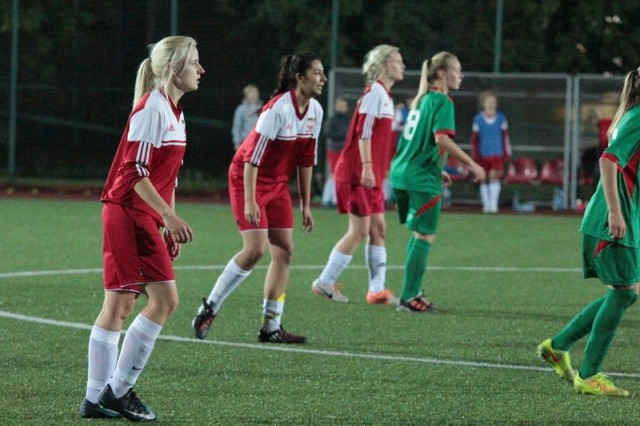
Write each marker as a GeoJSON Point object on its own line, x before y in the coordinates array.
{"type": "Point", "coordinates": [552, 172]}
{"type": "Point", "coordinates": [456, 169]}
{"type": "Point", "coordinates": [522, 170]}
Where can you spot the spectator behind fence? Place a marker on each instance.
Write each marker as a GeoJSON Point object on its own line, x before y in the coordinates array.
{"type": "Point", "coordinates": [245, 115]}
{"type": "Point", "coordinates": [336, 132]}
{"type": "Point", "coordinates": [491, 148]}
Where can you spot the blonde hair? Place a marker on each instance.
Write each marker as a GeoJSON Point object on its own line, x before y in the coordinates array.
{"type": "Point", "coordinates": [166, 58]}
{"type": "Point", "coordinates": [629, 98]}
{"type": "Point", "coordinates": [439, 62]}
{"type": "Point", "coordinates": [375, 61]}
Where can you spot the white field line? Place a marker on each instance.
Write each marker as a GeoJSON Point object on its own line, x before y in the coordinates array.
{"type": "Point", "coordinates": [319, 352]}
{"type": "Point", "coordinates": [515, 269]}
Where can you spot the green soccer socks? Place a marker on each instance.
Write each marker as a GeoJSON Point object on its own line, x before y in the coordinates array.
{"type": "Point", "coordinates": [415, 265]}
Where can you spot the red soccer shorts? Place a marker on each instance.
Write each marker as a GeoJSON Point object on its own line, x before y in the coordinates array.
{"type": "Point", "coordinates": [492, 163]}
{"type": "Point", "coordinates": [274, 201]}
{"type": "Point", "coordinates": [134, 252]}
{"type": "Point", "coordinates": [358, 200]}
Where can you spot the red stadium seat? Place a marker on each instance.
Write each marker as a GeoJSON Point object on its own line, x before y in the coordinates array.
{"type": "Point", "coordinates": [456, 169]}
{"type": "Point", "coordinates": [552, 172]}
{"type": "Point", "coordinates": [522, 170]}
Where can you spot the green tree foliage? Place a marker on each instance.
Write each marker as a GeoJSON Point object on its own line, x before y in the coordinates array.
{"type": "Point", "coordinates": [47, 30]}
{"type": "Point", "coordinates": [538, 36]}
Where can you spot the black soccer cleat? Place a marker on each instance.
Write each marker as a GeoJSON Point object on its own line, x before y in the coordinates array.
{"type": "Point", "coordinates": [89, 410]}
{"type": "Point", "coordinates": [203, 319]}
{"type": "Point", "coordinates": [128, 405]}
{"type": "Point", "coordinates": [279, 336]}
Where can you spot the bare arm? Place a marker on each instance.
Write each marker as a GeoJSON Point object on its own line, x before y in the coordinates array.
{"type": "Point", "coordinates": [368, 179]}
{"type": "Point", "coordinates": [251, 209]}
{"type": "Point", "coordinates": [608, 172]}
{"type": "Point", "coordinates": [179, 230]}
{"type": "Point", "coordinates": [446, 143]}
{"type": "Point", "coordinates": [304, 188]}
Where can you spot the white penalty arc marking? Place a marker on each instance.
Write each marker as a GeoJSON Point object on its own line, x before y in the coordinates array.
{"type": "Point", "coordinates": [289, 349]}
{"type": "Point", "coordinates": [516, 269]}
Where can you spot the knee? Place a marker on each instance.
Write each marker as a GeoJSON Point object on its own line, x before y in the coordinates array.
{"type": "Point", "coordinates": [378, 232]}
{"type": "Point", "coordinates": [253, 255]}
{"type": "Point", "coordinates": [359, 235]}
{"type": "Point", "coordinates": [625, 298]}
{"type": "Point", "coordinates": [123, 311]}
{"type": "Point", "coordinates": [114, 315]}
{"type": "Point", "coordinates": [171, 305]}
{"type": "Point", "coordinates": [285, 253]}
{"type": "Point", "coordinates": [165, 306]}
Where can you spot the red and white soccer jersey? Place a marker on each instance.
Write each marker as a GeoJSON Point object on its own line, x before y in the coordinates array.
{"type": "Point", "coordinates": [372, 119]}
{"type": "Point", "coordinates": [281, 140]}
{"type": "Point", "coordinates": [152, 146]}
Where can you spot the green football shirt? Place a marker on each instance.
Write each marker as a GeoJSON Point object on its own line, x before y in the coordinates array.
{"type": "Point", "coordinates": [417, 165]}
{"type": "Point", "coordinates": [624, 150]}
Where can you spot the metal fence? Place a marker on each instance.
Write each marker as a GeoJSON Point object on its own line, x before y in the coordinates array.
{"type": "Point", "coordinates": [551, 117]}
{"type": "Point", "coordinates": [72, 133]}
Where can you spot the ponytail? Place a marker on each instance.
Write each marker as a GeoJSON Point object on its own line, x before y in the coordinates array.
{"type": "Point", "coordinates": [290, 67]}
{"type": "Point", "coordinates": [144, 81]}
{"type": "Point", "coordinates": [629, 98]}
{"type": "Point", "coordinates": [423, 88]}
{"type": "Point", "coordinates": [429, 75]}
{"type": "Point", "coordinates": [286, 78]}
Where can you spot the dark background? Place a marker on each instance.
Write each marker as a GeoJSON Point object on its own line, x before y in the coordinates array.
{"type": "Point", "coordinates": [78, 60]}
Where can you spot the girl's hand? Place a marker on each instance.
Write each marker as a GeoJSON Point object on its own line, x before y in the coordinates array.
{"type": "Point", "coordinates": [252, 213]}
{"type": "Point", "coordinates": [179, 230]}
{"type": "Point", "coordinates": [446, 178]}
{"type": "Point", "coordinates": [307, 219]}
{"type": "Point", "coordinates": [172, 247]}
{"type": "Point", "coordinates": [617, 226]}
{"type": "Point", "coordinates": [477, 172]}
{"type": "Point", "coordinates": [368, 178]}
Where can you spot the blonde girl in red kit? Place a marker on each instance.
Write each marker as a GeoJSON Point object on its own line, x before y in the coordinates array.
{"type": "Point", "coordinates": [138, 201]}
{"type": "Point", "coordinates": [359, 174]}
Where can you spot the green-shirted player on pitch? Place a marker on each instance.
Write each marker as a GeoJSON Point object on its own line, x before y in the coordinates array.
{"type": "Point", "coordinates": [417, 171]}
{"type": "Point", "coordinates": [610, 251]}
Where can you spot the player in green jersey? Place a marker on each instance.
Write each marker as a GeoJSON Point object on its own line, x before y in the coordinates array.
{"type": "Point", "coordinates": [417, 171]}
{"type": "Point", "coordinates": [610, 252]}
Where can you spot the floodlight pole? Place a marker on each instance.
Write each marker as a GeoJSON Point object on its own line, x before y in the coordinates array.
{"type": "Point", "coordinates": [174, 17]}
{"type": "Point", "coordinates": [333, 49]}
{"type": "Point", "coordinates": [497, 53]}
{"type": "Point", "coordinates": [13, 90]}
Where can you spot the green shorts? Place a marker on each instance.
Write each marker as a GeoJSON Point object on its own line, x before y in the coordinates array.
{"type": "Point", "coordinates": [420, 211]}
{"type": "Point", "coordinates": [611, 263]}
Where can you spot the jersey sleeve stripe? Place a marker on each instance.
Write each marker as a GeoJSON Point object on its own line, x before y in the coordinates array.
{"type": "Point", "coordinates": [261, 146]}
{"type": "Point", "coordinates": [142, 158]}
{"type": "Point", "coordinates": [367, 126]}
{"type": "Point", "coordinates": [449, 132]}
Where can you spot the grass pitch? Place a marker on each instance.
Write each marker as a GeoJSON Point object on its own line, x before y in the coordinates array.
{"type": "Point", "coordinates": [506, 282]}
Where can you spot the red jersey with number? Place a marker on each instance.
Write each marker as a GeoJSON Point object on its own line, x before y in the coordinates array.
{"type": "Point", "coordinates": [282, 139]}
{"type": "Point", "coordinates": [372, 119]}
{"type": "Point", "coordinates": [152, 146]}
